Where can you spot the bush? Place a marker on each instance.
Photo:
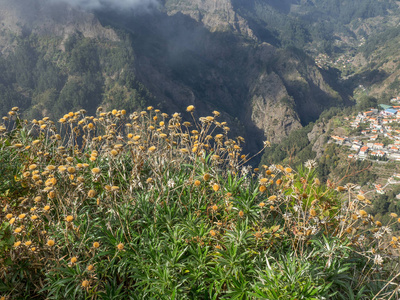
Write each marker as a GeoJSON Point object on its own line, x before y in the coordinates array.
{"type": "Point", "coordinates": [148, 206]}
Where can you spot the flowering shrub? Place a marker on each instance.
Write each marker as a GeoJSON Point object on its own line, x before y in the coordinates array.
{"type": "Point", "coordinates": [148, 206]}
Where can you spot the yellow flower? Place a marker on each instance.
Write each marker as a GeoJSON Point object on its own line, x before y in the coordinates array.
{"type": "Point", "coordinates": [96, 245]}
{"type": "Point", "coordinates": [90, 267]}
{"type": "Point", "coordinates": [114, 152]}
{"type": "Point", "coordinates": [263, 181]}
{"type": "Point", "coordinates": [262, 188]}
{"type": "Point", "coordinates": [216, 187]}
{"type": "Point", "coordinates": [74, 260]}
{"type": "Point", "coordinates": [71, 170]}
{"type": "Point", "coordinates": [150, 107]}
{"type": "Point", "coordinates": [9, 216]}
{"type": "Point", "coordinates": [28, 243]}
{"type": "Point", "coordinates": [18, 230]}
{"type": "Point", "coordinates": [206, 177]}
{"type": "Point", "coordinates": [52, 195]}
{"type": "Point", "coordinates": [85, 283]}
{"type": "Point", "coordinates": [37, 199]}
{"type": "Point", "coordinates": [262, 204]}
{"type": "Point", "coordinates": [212, 232]}
{"type": "Point", "coordinates": [360, 197]}
{"type": "Point", "coordinates": [272, 198]}
{"type": "Point", "coordinates": [21, 216]}
{"type": "Point", "coordinates": [34, 217]}
{"type": "Point", "coordinates": [190, 108]}
{"type": "Point", "coordinates": [92, 193]}
{"type": "Point", "coordinates": [313, 212]}
{"type": "Point", "coordinates": [363, 213]}
{"type": "Point", "coordinates": [46, 208]}
{"type": "Point", "coordinates": [32, 167]}
{"type": "Point", "coordinates": [69, 218]}
{"type": "Point", "coordinates": [214, 207]}
{"type": "Point", "coordinates": [95, 170]}
{"type": "Point", "coordinates": [17, 244]}
{"type": "Point", "coordinates": [288, 170]}
{"type": "Point", "coordinates": [50, 243]}
{"type": "Point", "coordinates": [197, 183]}
{"type": "Point", "coordinates": [393, 215]}
{"type": "Point", "coordinates": [120, 246]}
{"type": "Point", "coordinates": [379, 224]}
{"type": "Point", "coordinates": [241, 213]}
{"type": "Point", "coordinates": [152, 149]}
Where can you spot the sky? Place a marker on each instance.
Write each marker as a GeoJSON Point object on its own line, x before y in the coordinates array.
{"type": "Point", "coordinates": [116, 4]}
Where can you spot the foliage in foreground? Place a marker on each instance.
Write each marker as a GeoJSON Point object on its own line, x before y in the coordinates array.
{"type": "Point", "coordinates": [150, 207]}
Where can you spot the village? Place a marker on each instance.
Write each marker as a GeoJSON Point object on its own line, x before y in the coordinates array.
{"type": "Point", "coordinates": [376, 137]}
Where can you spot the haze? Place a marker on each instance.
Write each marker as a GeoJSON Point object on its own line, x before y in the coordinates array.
{"type": "Point", "coordinates": [119, 4]}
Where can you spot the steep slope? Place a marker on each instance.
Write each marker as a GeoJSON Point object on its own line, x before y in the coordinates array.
{"type": "Point", "coordinates": [216, 66]}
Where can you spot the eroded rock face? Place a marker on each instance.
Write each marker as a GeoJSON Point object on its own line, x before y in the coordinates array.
{"type": "Point", "coordinates": [317, 137]}
{"type": "Point", "coordinates": [270, 108]}
{"type": "Point", "coordinates": [215, 15]}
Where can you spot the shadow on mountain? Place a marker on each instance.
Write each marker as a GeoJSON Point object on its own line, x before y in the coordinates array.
{"type": "Point", "coordinates": [183, 63]}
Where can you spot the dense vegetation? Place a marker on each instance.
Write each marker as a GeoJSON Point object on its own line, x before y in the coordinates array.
{"type": "Point", "coordinates": [44, 80]}
{"type": "Point", "coordinates": [293, 150]}
{"type": "Point", "coordinates": [319, 22]}
{"type": "Point", "coordinates": [148, 206]}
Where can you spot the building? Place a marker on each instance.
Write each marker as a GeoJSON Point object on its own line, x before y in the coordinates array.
{"type": "Point", "coordinates": [390, 112]}
{"type": "Point", "coordinates": [363, 151]}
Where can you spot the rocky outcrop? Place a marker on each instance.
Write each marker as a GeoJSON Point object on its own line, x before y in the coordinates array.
{"type": "Point", "coordinates": [215, 15]}
{"type": "Point", "coordinates": [271, 107]}
{"type": "Point", "coordinates": [317, 138]}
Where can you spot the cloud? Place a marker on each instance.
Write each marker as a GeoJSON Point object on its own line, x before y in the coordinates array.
{"type": "Point", "coordinates": [114, 4]}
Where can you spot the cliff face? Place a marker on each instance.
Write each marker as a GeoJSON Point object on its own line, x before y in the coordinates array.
{"type": "Point", "coordinates": [215, 15]}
